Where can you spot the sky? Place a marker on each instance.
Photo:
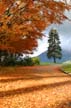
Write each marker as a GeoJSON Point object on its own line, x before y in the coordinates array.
{"type": "Point", "coordinates": [64, 31]}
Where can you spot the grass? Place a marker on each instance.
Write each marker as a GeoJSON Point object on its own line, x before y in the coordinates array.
{"type": "Point", "coordinates": [44, 63]}
{"type": "Point", "coordinates": [67, 68]}
{"type": "Point", "coordinates": [48, 63]}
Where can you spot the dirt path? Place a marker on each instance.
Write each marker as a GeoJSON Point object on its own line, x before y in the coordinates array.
{"type": "Point", "coordinates": [34, 87]}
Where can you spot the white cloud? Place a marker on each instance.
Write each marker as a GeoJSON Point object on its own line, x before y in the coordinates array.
{"type": "Point", "coordinates": [42, 46]}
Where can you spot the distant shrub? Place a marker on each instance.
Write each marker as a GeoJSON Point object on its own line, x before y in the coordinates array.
{"type": "Point", "coordinates": [28, 61]}
{"type": "Point", "coordinates": [36, 60]}
{"type": "Point", "coordinates": [9, 61]}
{"type": "Point", "coordinates": [17, 60]}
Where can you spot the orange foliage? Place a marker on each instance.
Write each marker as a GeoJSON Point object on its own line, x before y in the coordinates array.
{"type": "Point", "coordinates": [22, 22]}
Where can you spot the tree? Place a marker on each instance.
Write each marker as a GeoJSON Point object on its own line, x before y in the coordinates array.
{"type": "Point", "coordinates": [23, 21]}
{"type": "Point", "coordinates": [54, 49]}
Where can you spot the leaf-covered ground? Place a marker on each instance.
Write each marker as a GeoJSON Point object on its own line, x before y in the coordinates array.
{"type": "Point", "coordinates": [34, 87]}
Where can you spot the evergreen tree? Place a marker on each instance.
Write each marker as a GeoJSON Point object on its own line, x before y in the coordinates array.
{"type": "Point", "coordinates": [54, 48]}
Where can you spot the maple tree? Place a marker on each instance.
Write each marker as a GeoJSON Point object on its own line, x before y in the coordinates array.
{"type": "Point", "coordinates": [23, 21]}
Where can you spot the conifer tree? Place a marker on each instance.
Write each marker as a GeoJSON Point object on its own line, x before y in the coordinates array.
{"type": "Point", "coordinates": [54, 48]}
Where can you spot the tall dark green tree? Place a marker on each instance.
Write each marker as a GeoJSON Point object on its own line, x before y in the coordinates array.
{"type": "Point", "coordinates": [54, 48]}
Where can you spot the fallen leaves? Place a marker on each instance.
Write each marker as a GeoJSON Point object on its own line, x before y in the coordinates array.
{"type": "Point", "coordinates": [34, 87]}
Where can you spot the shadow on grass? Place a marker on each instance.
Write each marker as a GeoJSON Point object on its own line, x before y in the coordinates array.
{"type": "Point", "coordinates": [32, 89]}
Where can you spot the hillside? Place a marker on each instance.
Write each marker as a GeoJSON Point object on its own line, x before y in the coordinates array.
{"type": "Point", "coordinates": [66, 55]}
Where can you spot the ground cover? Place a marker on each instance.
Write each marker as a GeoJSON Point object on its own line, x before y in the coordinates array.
{"type": "Point", "coordinates": [67, 68]}
{"type": "Point", "coordinates": [34, 87]}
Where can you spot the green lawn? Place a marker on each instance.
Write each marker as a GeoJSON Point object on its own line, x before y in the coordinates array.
{"type": "Point", "coordinates": [67, 68]}
{"type": "Point", "coordinates": [48, 63]}
{"type": "Point", "coordinates": [44, 63]}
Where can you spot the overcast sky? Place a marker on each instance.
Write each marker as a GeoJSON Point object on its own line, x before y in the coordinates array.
{"type": "Point", "coordinates": [64, 31]}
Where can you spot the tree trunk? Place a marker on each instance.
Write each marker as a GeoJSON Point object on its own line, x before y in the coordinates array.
{"type": "Point", "coordinates": [54, 59]}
